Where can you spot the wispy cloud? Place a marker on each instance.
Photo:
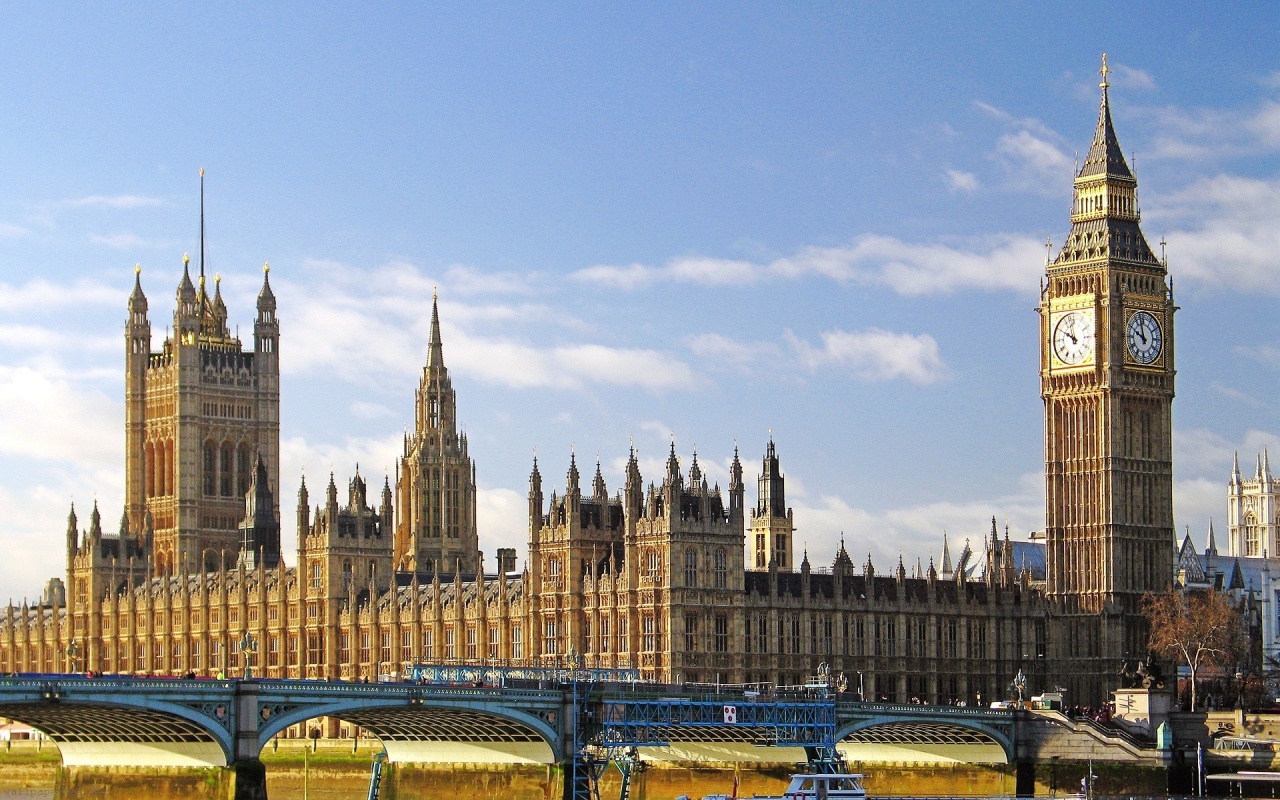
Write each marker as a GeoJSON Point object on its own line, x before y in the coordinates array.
{"type": "Point", "coordinates": [1231, 233]}
{"type": "Point", "coordinates": [962, 181]}
{"type": "Point", "coordinates": [1031, 152]}
{"type": "Point", "coordinates": [119, 201]}
{"type": "Point", "coordinates": [8, 231]}
{"type": "Point", "coordinates": [876, 355]}
{"type": "Point", "coordinates": [39, 294]}
{"type": "Point", "coordinates": [366, 322]}
{"type": "Point", "coordinates": [995, 263]}
{"type": "Point", "coordinates": [125, 241]}
{"type": "Point", "coordinates": [1128, 77]}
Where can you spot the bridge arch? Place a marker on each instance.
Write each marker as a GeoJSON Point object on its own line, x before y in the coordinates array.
{"type": "Point", "coordinates": [433, 730]}
{"type": "Point", "coordinates": [912, 730]}
{"type": "Point", "coordinates": [124, 732]}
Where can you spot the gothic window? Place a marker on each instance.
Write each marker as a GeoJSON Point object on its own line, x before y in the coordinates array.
{"type": "Point", "coordinates": [450, 646]}
{"type": "Point", "coordinates": [722, 633]}
{"type": "Point", "coordinates": [762, 633]}
{"type": "Point", "coordinates": [1252, 539]}
{"type": "Point", "coordinates": [760, 557]}
{"type": "Point", "coordinates": [243, 470]}
{"type": "Point", "coordinates": [428, 644]}
{"type": "Point", "coordinates": [691, 568]}
{"type": "Point", "coordinates": [795, 635]}
{"type": "Point", "coordinates": [494, 641]}
{"type": "Point", "coordinates": [653, 567]}
{"type": "Point", "coordinates": [364, 647]}
{"type": "Point", "coordinates": [315, 575]}
{"type": "Point", "coordinates": [406, 644]}
{"type": "Point", "coordinates": [550, 638]}
{"type": "Point", "coordinates": [149, 468]}
{"type": "Point", "coordinates": [385, 654]}
{"type": "Point", "coordinates": [721, 568]}
{"type": "Point", "coordinates": [604, 634]}
{"type": "Point", "coordinates": [224, 473]}
{"type": "Point", "coordinates": [210, 469]}
{"type": "Point", "coordinates": [517, 643]}
{"type": "Point", "coordinates": [781, 547]}
{"type": "Point", "coordinates": [691, 633]}
{"type": "Point", "coordinates": [649, 633]}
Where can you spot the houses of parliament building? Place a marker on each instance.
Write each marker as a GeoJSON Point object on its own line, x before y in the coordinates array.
{"type": "Point", "coordinates": [681, 580]}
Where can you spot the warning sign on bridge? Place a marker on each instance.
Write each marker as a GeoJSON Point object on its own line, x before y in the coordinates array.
{"type": "Point", "coordinates": [730, 715]}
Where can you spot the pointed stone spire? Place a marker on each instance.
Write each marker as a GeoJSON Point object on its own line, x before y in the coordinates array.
{"type": "Point", "coordinates": [673, 465]}
{"type": "Point", "coordinates": [435, 353]}
{"type": "Point", "coordinates": [186, 290]}
{"type": "Point", "coordinates": [1105, 157]}
{"type": "Point", "coordinates": [1266, 465]}
{"type": "Point", "coordinates": [932, 574]}
{"type": "Point", "coordinates": [572, 485]}
{"type": "Point", "coordinates": [95, 522]}
{"type": "Point", "coordinates": [946, 557]}
{"type": "Point", "coordinates": [1212, 548]}
{"type": "Point", "coordinates": [599, 490]}
{"type": "Point", "coordinates": [1257, 473]}
{"type": "Point", "coordinates": [1237, 576]}
{"type": "Point", "coordinates": [138, 299]}
{"type": "Point", "coordinates": [695, 471]}
{"type": "Point", "coordinates": [1235, 469]}
{"type": "Point", "coordinates": [266, 297]}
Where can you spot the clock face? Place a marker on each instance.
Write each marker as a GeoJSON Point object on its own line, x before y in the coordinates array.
{"type": "Point", "coordinates": [1143, 337]}
{"type": "Point", "coordinates": [1073, 337]}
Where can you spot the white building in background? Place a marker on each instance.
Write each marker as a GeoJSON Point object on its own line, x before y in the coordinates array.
{"type": "Point", "coordinates": [1253, 513]}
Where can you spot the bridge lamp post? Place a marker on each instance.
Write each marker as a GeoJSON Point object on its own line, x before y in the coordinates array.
{"type": "Point", "coordinates": [1020, 684]}
{"type": "Point", "coordinates": [248, 646]}
{"type": "Point", "coordinates": [862, 695]}
{"type": "Point", "coordinates": [73, 656]}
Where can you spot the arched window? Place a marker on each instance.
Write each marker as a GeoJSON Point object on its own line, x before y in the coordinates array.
{"type": "Point", "coordinates": [721, 568]}
{"type": "Point", "coordinates": [149, 469]}
{"type": "Point", "coordinates": [210, 469]}
{"type": "Point", "coordinates": [691, 567]}
{"type": "Point", "coordinates": [224, 472]}
{"type": "Point", "coordinates": [243, 470]}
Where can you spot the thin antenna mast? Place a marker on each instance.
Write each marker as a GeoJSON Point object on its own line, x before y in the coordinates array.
{"type": "Point", "coordinates": [202, 223]}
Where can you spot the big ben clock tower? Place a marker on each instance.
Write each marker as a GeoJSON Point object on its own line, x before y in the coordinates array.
{"type": "Point", "coordinates": [1106, 376]}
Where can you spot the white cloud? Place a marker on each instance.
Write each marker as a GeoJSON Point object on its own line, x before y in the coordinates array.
{"type": "Point", "coordinates": [502, 519]}
{"type": "Point", "coordinates": [1231, 235]}
{"type": "Point", "coordinates": [39, 294]}
{"type": "Point", "coordinates": [124, 241]}
{"type": "Point", "coordinates": [46, 417]}
{"type": "Point", "coordinates": [1032, 158]}
{"type": "Point", "coordinates": [8, 231]}
{"type": "Point", "coordinates": [731, 353]}
{"type": "Point", "coordinates": [915, 531]}
{"type": "Point", "coordinates": [363, 325]}
{"type": "Point", "coordinates": [876, 355]}
{"type": "Point", "coordinates": [366, 410]}
{"type": "Point", "coordinates": [1001, 262]}
{"type": "Point", "coordinates": [1131, 77]}
{"type": "Point", "coordinates": [959, 181]}
{"type": "Point", "coordinates": [114, 201]}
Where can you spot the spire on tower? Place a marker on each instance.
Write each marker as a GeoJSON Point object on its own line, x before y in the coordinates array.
{"type": "Point", "coordinates": [1104, 156]}
{"type": "Point", "coordinates": [1235, 468]}
{"type": "Point", "coordinates": [435, 353]}
{"type": "Point", "coordinates": [946, 557]}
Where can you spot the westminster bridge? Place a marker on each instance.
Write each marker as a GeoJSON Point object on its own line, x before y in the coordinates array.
{"type": "Point", "coordinates": [582, 722]}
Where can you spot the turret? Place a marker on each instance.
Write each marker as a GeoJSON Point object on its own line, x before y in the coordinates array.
{"type": "Point", "coordinates": [186, 317]}
{"type": "Point", "coordinates": [535, 502]}
{"type": "Point", "coordinates": [598, 490]}
{"type": "Point", "coordinates": [73, 535]}
{"type": "Point", "coordinates": [737, 490]}
{"type": "Point", "coordinates": [266, 328]}
{"type": "Point", "coordinates": [387, 509]}
{"type": "Point", "coordinates": [260, 532]}
{"type": "Point", "coordinates": [304, 511]}
{"type": "Point", "coordinates": [633, 488]}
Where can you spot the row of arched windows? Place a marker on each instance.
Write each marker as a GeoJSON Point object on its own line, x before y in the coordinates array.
{"type": "Point", "coordinates": [226, 469]}
{"type": "Point", "coordinates": [158, 468]}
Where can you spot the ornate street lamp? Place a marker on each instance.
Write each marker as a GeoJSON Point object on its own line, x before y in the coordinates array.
{"type": "Point", "coordinates": [248, 646]}
{"type": "Point", "coordinates": [1020, 684]}
{"type": "Point", "coordinates": [73, 655]}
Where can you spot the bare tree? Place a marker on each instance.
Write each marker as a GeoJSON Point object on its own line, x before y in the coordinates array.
{"type": "Point", "coordinates": [1200, 629]}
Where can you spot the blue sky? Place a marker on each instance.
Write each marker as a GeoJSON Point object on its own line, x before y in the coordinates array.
{"type": "Point", "coordinates": [711, 222]}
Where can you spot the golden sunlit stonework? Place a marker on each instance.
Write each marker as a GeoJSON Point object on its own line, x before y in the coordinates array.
{"type": "Point", "coordinates": [674, 576]}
